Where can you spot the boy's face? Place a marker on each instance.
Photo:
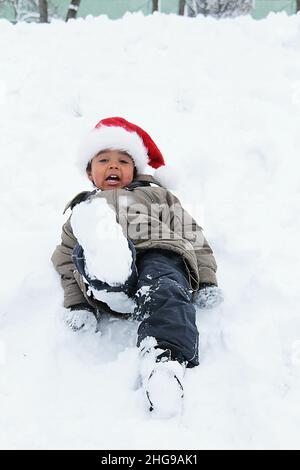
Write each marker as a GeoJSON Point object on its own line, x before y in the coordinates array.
{"type": "Point", "coordinates": [111, 169]}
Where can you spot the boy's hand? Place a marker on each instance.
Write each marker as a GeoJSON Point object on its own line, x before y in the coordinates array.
{"type": "Point", "coordinates": [81, 317]}
{"type": "Point", "coordinates": [209, 296]}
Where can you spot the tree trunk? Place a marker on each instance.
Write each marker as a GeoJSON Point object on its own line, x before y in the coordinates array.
{"type": "Point", "coordinates": [181, 7]}
{"type": "Point", "coordinates": [298, 5]}
{"type": "Point", "coordinates": [73, 8]}
{"type": "Point", "coordinates": [154, 5]}
{"type": "Point", "coordinates": [43, 9]}
{"type": "Point", "coordinates": [191, 8]}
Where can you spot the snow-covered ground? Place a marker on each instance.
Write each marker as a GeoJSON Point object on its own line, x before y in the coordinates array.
{"type": "Point", "coordinates": [222, 101]}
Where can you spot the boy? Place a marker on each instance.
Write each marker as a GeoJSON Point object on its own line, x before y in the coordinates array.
{"type": "Point", "coordinates": [130, 247]}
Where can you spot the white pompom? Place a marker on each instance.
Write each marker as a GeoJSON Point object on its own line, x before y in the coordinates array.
{"type": "Point", "coordinates": [167, 177]}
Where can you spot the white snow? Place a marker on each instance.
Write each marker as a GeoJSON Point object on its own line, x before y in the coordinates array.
{"type": "Point", "coordinates": [221, 100]}
{"type": "Point", "coordinates": [106, 251]}
{"type": "Point", "coordinates": [117, 301]}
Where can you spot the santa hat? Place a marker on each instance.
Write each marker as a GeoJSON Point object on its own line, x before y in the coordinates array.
{"type": "Point", "coordinates": [116, 133]}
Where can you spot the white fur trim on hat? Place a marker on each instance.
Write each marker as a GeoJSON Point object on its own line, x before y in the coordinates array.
{"type": "Point", "coordinates": [167, 177]}
{"type": "Point", "coordinates": [114, 138]}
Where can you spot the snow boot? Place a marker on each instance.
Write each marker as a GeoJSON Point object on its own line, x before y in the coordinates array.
{"type": "Point", "coordinates": [162, 381]}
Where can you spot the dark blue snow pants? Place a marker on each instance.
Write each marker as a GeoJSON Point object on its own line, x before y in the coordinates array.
{"type": "Point", "coordinates": [160, 287]}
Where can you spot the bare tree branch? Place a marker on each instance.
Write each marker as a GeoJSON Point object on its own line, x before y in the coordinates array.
{"type": "Point", "coordinates": [191, 9]}
{"type": "Point", "coordinates": [223, 8]}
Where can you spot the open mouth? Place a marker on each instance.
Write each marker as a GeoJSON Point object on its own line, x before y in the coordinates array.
{"type": "Point", "coordinates": [113, 178]}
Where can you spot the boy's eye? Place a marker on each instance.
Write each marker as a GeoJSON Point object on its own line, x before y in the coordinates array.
{"type": "Point", "coordinates": [103, 160]}
{"type": "Point", "coordinates": [124, 161]}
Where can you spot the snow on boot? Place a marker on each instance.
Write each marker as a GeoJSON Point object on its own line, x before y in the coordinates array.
{"type": "Point", "coordinates": [162, 381]}
{"type": "Point", "coordinates": [106, 251]}
{"type": "Point", "coordinates": [116, 301]}
{"type": "Point", "coordinates": [164, 389]}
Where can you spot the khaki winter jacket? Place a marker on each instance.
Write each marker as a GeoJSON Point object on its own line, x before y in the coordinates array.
{"type": "Point", "coordinates": [152, 217]}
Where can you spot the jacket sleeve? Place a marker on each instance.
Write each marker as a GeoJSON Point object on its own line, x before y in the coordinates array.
{"type": "Point", "coordinates": [193, 233]}
{"type": "Point", "coordinates": [63, 264]}
{"type": "Point", "coordinates": [206, 262]}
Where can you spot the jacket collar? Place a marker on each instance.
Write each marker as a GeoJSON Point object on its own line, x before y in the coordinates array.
{"type": "Point", "coordinates": [142, 180]}
{"type": "Point", "coordinates": [138, 182]}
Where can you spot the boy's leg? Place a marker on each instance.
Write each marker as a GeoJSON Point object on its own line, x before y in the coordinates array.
{"type": "Point", "coordinates": [121, 300]}
{"type": "Point", "coordinates": [164, 301]}
{"type": "Point", "coordinates": [107, 255]}
{"type": "Point", "coordinates": [128, 287]}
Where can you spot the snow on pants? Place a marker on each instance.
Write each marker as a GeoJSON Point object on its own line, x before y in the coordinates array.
{"type": "Point", "coordinates": [160, 287]}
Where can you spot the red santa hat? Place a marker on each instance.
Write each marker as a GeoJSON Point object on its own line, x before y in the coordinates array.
{"type": "Point", "coordinates": [116, 133]}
